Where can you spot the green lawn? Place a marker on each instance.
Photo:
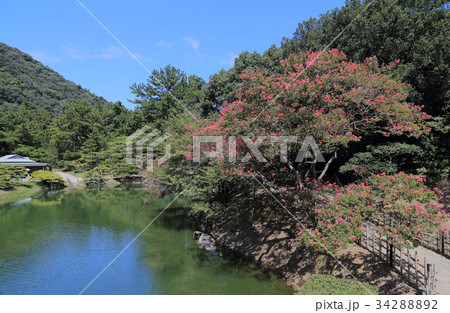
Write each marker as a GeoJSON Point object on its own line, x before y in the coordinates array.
{"type": "Point", "coordinates": [329, 285]}
{"type": "Point", "coordinates": [21, 189]}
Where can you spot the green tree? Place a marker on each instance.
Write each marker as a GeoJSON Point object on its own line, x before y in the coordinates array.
{"type": "Point", "coordinates": [417, 32]}
{"type": "Point", "coordinates": [96, 175]}
{"type": "Point", "coordinates": [124, 171]}
{"type": "Point", "coordinates": [224, 85]}
{"type": "Point", "coordinates": [116, 120]}
{"type": "Point", "coordinates": [47, 178]}
{"type": "Point", "coordinates": [9, 174]}
{"type": "Point", "coordinates": [389, 158]}
{"type": "Point", "coordinates": [24, 131]}
{"type": "Point", "coordinates": [167, 92]}
{"type": "Point", "coordinates": [77, 130]}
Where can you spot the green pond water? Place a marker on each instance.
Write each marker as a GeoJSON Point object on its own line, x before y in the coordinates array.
{"type": "Point", "coordinates": [57, 242]}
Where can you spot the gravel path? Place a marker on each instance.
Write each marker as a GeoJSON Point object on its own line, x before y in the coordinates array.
{"type": "Point", "coordinates": [73, 181]}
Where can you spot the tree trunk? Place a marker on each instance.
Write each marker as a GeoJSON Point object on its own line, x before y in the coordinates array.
{"type": "Point", "coordinates": [336, 178]}
{"type": "Point", "coordinates": [297, 176]}
{"type": "Point", "coordinates": [313, 168]}
{"type": "Point", "coordinates": [327, 165]}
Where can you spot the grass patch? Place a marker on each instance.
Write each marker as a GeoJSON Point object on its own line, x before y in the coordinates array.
{"type": "Point", "coordinates": [329, 285]}
{"type": "Point", "coordinates": [20, 189]}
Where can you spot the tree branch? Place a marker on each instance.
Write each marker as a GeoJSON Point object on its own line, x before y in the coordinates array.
{"type": "Point", "coordinates": [325, 169]}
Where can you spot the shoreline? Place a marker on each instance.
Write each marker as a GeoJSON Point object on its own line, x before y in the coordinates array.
{"type": "Point", "coordinates": [268, 244]}
{"type": "Point", "coordinates": [18, 196]}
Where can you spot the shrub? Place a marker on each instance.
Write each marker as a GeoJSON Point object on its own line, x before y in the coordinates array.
{"type": "Point", "coordinates": [96, 175]}
{"type": "Point", "coordinates": [400, 206]}
{"type": "Point", "coordinates": [47, 177]}
{"type": "Point", "coordinates": [124, 171]}
{"type": "Point", "coordinates": [8, 175]}
{"type": "Point", "coordinates": [328, 285]}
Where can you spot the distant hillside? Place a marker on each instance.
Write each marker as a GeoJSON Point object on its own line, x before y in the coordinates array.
{"type": "Point", "coordinates": [25, 81]}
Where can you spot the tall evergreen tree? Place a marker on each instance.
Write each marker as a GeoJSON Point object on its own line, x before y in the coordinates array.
{"type": "Point", "coordinates": [168, 91]}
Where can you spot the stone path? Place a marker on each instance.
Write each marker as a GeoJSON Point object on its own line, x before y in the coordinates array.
{"type": "Point", "coordinates": [442, 268]}
{"type": "Point", "coordinates": [73, 181]}
{"type": "Point", "coordinates": [442, 263]}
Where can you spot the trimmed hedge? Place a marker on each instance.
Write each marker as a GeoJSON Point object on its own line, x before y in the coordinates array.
{"type": "Point", "coordinates": [47, 177]}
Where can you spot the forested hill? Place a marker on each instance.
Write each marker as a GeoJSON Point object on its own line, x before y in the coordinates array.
{"type": "Point", "coordinates": [25, 81]}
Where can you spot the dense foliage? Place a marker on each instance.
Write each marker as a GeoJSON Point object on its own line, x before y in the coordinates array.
{"type": "Point", "coordinates": [47, 177]}
{"type": "Point", "coordinates": [167, 93]}
{"type": "Point", "coordinates": [416, 32]}
{"type": "Point", "coordinates": [9, 175]}
{"type": "Point", "coordinates": [26, 82]}
{"type": "Point", "coordinates": [337, 100]}
{"type": "Point", "coordinates": [400, 207]}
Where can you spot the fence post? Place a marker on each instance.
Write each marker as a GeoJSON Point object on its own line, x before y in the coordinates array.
{"type": "Point", "coordinates": [417, 272]}
{"type": "Point", "coordinates": [431, 279]}
{"type": "Point", "coordinates": [373, 240]}
{"type": "Point", "coordinates": [446, 240]}
{"type": "Point", "coordinates": [391, 253]}
{"type": "Point", "coordinates": [401, 259]}
{"type": "Point", "coordinates": [409, 265]}
{"type": "Point", "coordinates": [394, 249]}
{"type": "Point", "coordinates": [379, 245]}
{"type": "Point", "coordinates": [434, 279]}
{"type": "Point", "coordinates": [367, 235]}
{"type": "Point", "coordinates": [425, 272]}
{"type": "Point", "coordinates": [387, 248]}
{"type": "Point", "coordinates": [443, 244]}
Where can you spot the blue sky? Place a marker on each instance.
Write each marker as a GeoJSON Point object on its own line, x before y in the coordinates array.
{"type": "Point", "coordinates": [199, 37]}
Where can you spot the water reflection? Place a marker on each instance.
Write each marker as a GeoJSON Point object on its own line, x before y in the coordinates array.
{"type": "Point", "coordinates": [58, 242]}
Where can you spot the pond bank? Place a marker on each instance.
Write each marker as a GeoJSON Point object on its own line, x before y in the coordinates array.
{"type": "Point", "coordinates": [268, 244]}
{"type": "Point", "coordinates": [25, 189]}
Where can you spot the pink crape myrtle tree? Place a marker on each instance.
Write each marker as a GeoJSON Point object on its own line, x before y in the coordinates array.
{"type": "Point", "coordinates": [399, 207]}
{"type": "Point", "coordinates": [329, 97]}
{"type": "Point", "coordinates": [337, 101]}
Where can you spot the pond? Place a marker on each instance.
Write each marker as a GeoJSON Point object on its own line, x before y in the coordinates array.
{"type": "Point", "coordinates": [58, 241]}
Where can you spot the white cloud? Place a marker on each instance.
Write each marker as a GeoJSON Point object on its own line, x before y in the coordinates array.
{"type": "Point", "coordinates": [104, 54]}
{"type": "Point", "coordinates": [75, 53]}
{"type": "Point", "coordinates": [143, 58]}
{"type": "Point", "coordinates": [110, 53]}
{"type": "Point", "coordinates": [44, 57]}
{"type": "Point", "coordinates": [191, 42]}
{"type": "Point", "coordinates": [164, 44]}
{"type": "Point", "coordinates": [229, 61]}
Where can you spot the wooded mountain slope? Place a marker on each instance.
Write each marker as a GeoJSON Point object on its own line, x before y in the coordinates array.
{"type": "Point", "coordinates": [27, 82]}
